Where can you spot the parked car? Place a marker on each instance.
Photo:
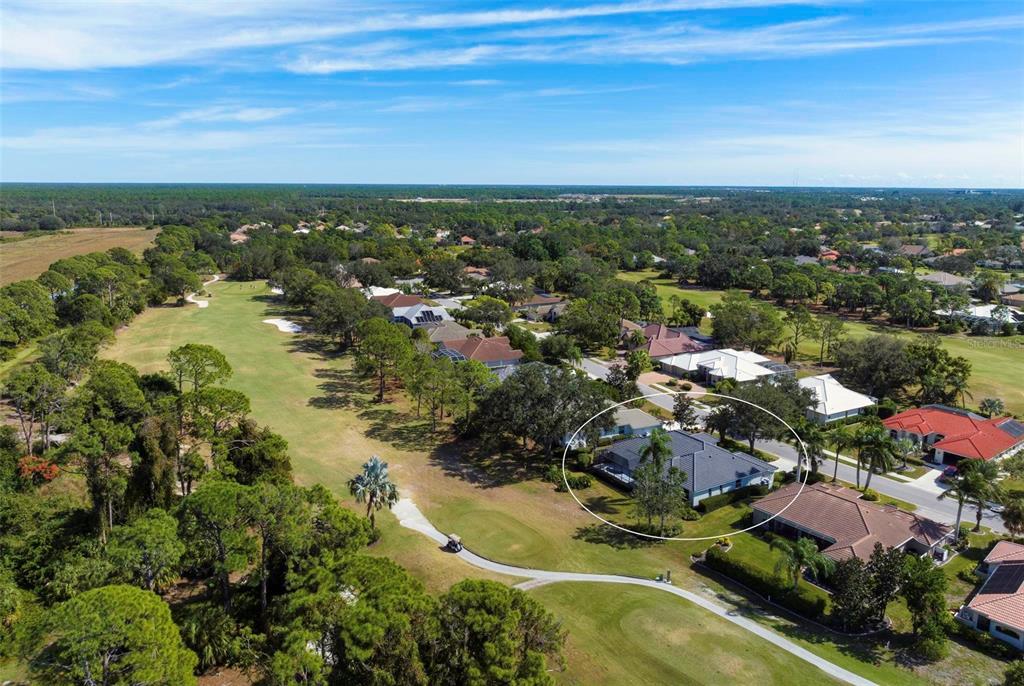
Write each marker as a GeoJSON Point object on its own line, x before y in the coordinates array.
{"type": "Point", "coordinates": [948, 474]}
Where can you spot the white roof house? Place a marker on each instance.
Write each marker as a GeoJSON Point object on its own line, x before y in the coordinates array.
{"type": "Point", "coordinates": [834, 401]}
{"type": "Point", "coordinates": [420, 315]}
{"type": "Point", "coordinates": [377, 291]}
{"type": "Point", "coordinates": [741, 365]}
{"type": "Point", "coordinates": [992, 313]}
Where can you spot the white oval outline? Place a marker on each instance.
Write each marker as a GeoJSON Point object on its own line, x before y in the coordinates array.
{"type": "Point", "coordinates": [803, 449]}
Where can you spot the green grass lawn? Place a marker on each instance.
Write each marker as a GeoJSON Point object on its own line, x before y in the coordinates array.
{"type": "Point", "coordinates": [997, 362]}
{"type": "Point", "coordinates": [629, 635]}
{"type": "Point", "coordinates": [496, 502]}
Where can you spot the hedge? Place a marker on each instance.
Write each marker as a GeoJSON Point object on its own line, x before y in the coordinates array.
{"type": "Point", "coordinates": [801, 601]}
{"type": "Point", "coordinates": [715, 502]}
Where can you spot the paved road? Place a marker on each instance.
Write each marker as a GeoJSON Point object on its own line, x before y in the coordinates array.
{"type": "Point", "coordinates": [923, 495]}
{"type": "Point", "coordinates": [410, 517]}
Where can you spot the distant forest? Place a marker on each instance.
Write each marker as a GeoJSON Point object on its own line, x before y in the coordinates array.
{"type": "Point", "coordinates": [30, 207]}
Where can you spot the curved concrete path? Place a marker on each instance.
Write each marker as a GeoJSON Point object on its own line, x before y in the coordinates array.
{"type": "Point", "coordinates": [191, 297]}
{"type": "Point", "coordinates": [410, 517]}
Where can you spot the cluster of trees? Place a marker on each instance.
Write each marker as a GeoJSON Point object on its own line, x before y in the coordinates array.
{"type": "Point", "coordinates": [861, 592]}
{"type": "Point", "coordinates": [79, 300]}
{"type": "Point", "coordinates": [889, 367]}
{"type": "Point", "coordinates": [181, 487]}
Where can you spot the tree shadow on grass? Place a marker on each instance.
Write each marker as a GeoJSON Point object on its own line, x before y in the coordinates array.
{"type": "Point", "coordinates": [389, 425]}
{"type": "Point", "coordinates": [484, 466]}
{"type": "Point", "coordinates": [607, 505]}
{"type": "Point", "coordinates": [616, 538]}
{"type": "Point", "coordinates": [342, 389]}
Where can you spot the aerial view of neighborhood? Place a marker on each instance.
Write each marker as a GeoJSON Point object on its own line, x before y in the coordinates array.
{"type": "Point", "coordinates": [674, 342]}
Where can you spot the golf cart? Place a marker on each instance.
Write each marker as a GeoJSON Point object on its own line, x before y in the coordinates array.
{"type": "Point", "coordinates": [454, 543]}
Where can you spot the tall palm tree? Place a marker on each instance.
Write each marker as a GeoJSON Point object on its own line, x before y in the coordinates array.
{"type": "Point", "coordinates": [982, 486]}
{"type": "Point", "coordinates": [1013, 516]}
{"type": "Point", "coordinates": [799, 555]}
{"type": "Point", "coordinates": [658, 449]}
{"type": "Point", "coordinates": [875, 450]}
{"type": "Point", "coordinates": [814, 442]}
{"type": "Point", "coordinates": [374, 487]}
{"type": "Point", "coordinates": [961, 489]}
{"type": "Point", "coordinates": [841, 437]}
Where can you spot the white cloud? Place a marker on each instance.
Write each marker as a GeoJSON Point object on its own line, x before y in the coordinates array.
{"type": "Point", "coordinates": [221, 113]}
{"type": "Point", "coordinates": [127, 33]}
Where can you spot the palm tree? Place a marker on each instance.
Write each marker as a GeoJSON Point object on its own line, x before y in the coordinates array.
{"type": "Point", "coordinates": [841, 437]}
{"type": "Point", "coordinates": [657, 449]}
{"type": "Point", "coordinates": [904, 448]}
{"type": "Point", "coordinates": [374, 488]}
{"type": "Point", "coordinates": [800, 555]}
{"type": "Point", "coordinates": [961, 489]}
{"type": "Point", "coordinates": [814, 442]}
{"type": "Point", "coordinates": [1013, 516]}
{"type": "Point", "coordinates": [982, 486]}
{"type": "Point", "coordinates": [991, 407]}
{"type": "Point", "coordinates": [876, 450]}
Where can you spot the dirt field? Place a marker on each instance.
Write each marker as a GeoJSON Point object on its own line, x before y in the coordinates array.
{"type": "Point", "coordinates": [28, 258]}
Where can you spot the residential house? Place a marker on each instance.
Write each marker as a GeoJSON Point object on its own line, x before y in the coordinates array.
{"type": "Point", "coordinates": [950, 434]}
{"type": "Point", "coordinates": [449, 331]}
{"type": "Point", "coordinates": [715, 365]}
{"type": "Point", "coordinates": [419, 314]}
{"type": "Point", "coordinates": [1015, 300]}
{"type": "Point", "coordinates": [661, 341]}
{"type": "Point", "coordinates": [829, 255]}
{"type": "Point", "coordinates": [843, 525]}
{"type": "Point", "coordinates": [912, 250]}
{"type": "Point", "coordinates": [378, 291]}
{"type": "Point", "coordinates": [397, 299]}
{"type": "Point", "coordinates": [495, 352]}
{"type": "Point", "coordinates": [994, 315]}
{"type": "Point", "coordinates": [629, 421]}
{"type": "Point", "coordinates": [541, 307]}
{"type": "Point", "coordinates": [710, 469]}
{"type": "Point", "coordinates": [945, 280]}
{"type": "Point", "coordinates": [477, 273]}
{"type": "Point", "coordinates": [998, 606]}
{"type": "Point", "coordinates": [833, 401]}
{"type": "Point", "coordinates": [467, 240]}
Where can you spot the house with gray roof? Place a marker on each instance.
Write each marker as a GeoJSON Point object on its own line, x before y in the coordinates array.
{"type": "Point", "coordinates": [710, 469]}
{"type": "Point", "coordinates": [945, 280]}
{"type": "Point", "coordinates": [628, 421]}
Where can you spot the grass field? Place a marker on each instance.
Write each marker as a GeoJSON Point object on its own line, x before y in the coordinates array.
{"type": "Point", "coordinates": [997, 363]}
{"type": "Point", "coordinates": [30, 257]}
{"type": "Point", "coordinates": [496, 503]}
{"type": "Point", "coordinates": [654, 639]}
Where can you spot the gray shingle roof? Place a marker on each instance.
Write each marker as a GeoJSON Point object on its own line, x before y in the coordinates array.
{"type": "Point", "coordinates": [706, 464]}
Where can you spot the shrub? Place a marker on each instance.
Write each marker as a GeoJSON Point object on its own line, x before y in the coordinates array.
{"type": "Point", "coordinates": [575, 482]}
{"type": "Point", "coordinates": [802, 600]}
{"type": "Point", "coordinates": [949, 326]}
{"type": "Point", "coordinates": [584, 458]}
{"type": "Point", "coordinates": [715, 502]}
{"type": "Point", "coordinates": [689, 514]}
{"type": "Point", "coordinates": [869, 495]}
{"type": "Point", "coordinates": [686, 386]}
{"type": "Point", "coordinates": [1014, 674]}
{"type": "Point", "coordinates": [553, 474]}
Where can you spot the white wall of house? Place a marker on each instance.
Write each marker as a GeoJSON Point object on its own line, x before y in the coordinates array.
{"type": "Point", "coordinates": [1012, 635]}
{"type": "Point", "coordinates": [824, 419]}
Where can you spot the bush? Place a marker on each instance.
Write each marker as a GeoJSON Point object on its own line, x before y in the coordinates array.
{"type": "Point", "coordinates": [801, 600]}
{"type": "Point", "coordinates": [584, 458]}
{"type": "Point", "coordinates": [716, 502]}
{"type": "Point", "coordinates": [686, 386]}
{"type": "Point", "coordinates": [949, 326]}
{"type": "Point", "coordinates": [1014, 674]}
{"type": "Point", "coordinates": [985, 643]}
{"type": "Point", "coordinates": [869, 495]}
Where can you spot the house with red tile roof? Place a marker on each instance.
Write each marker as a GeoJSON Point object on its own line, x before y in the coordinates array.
{"type": "Point", "coordinates": [951, 434]}
{"type": "Point", "coordinates": [393, 300]}
{"type": "Point", "coordinates": [495, 352]}
{"type": "Point", "coordinates": [661, 341]}
{"type": "Point", "coordinates": [998, 606]}
{"type": "Point", "coordinates": [844, 526]}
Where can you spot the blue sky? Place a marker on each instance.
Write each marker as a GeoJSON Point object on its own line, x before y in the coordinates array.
{"type": "Point", "coordinates": [678, 92]}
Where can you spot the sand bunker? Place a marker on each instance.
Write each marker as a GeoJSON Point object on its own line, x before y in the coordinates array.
{"type": "Point", "coordinates": [284, 325]}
